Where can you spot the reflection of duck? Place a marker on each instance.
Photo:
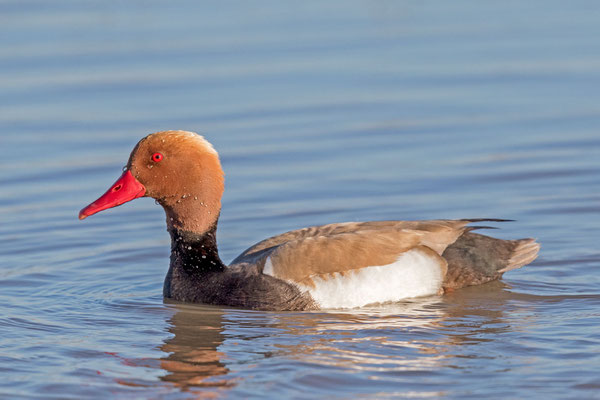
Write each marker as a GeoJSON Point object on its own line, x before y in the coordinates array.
{"type": "Point", "coordinates": [410, 336]}
{"type": "Point", "coordinates": [194, 360]}
{"type": "Point", "coordinates": [303, 342]}
{"type": "Point", "coordinates": [330, 266]}
{"type": "Point", "coordinates": [393, 342]}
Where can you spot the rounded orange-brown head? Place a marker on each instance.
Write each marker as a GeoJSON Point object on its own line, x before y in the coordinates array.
{"type": "Point", "coordinates": [181, 170]}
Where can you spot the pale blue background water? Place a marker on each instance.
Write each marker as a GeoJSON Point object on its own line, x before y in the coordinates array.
{"type": "Point", "coordinates": [322, 112]}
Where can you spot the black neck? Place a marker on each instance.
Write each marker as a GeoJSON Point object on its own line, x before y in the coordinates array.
{"type": "Point", "coordinates": [195, 253]}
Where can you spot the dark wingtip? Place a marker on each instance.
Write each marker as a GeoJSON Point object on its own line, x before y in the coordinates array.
{"type": "Point", "coordinates": [472, 228]}
{"type": "Point", "coordinates": [470, 220]}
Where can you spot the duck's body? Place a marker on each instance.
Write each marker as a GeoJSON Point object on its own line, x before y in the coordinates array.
{"type": "Point", "coordinates": [329, 266]}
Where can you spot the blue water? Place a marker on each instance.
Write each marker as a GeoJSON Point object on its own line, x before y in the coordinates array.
{"type": "Point", "coordinates": [322, 112]}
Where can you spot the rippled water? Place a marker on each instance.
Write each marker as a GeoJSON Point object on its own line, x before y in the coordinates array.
{"type": "Point", "coordinates": [322, 112]}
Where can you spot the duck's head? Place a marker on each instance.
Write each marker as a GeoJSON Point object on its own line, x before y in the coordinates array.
{"type": "Point", "coordinates": [181, 170]}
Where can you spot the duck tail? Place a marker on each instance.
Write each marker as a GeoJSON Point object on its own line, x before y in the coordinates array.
{"type": "Point", "coordinates": [524, 252]}
{"type": "Point", "coordinates": [475, 259]}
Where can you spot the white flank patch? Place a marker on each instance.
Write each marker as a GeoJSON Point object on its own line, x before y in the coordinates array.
{"type": "Point", "coordinates": [268, 268]}
{"type": "Point", "coordinates": [415, 273]}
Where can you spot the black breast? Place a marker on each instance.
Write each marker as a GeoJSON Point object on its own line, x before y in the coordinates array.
{"type": "Point", "coordinates": [198, 275]}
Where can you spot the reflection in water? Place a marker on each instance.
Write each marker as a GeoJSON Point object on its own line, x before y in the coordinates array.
{"type": "Point", "coordinates": [362, 339]}
{"type": "Point", "coordinates": [213, 349]}
{"type": "Point", "coordinates": [392, 348]}
{"type": "Point", "coordinates": [194, 359]}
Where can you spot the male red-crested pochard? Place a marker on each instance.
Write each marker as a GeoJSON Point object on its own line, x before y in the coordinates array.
{"type": "Point", "coordinates": [331, 266]}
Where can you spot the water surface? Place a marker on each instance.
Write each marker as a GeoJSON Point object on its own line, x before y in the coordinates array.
{"type": "Point", "coordinates": [322, 112]}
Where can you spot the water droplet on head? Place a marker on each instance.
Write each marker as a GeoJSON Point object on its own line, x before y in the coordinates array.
{"type": "Point", "coordinates": [189, 247]}
{"type": "Point", "coordinates": [124, 168]}
{"type": "Point", "coordinates": [195, 197]}
{"type": "Point", "coordinates": [203, 256]}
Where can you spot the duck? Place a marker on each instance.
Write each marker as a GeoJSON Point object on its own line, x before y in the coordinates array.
{"type": "Point", "coordinates": [339, 265]}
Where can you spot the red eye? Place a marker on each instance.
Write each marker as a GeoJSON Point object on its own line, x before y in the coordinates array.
{"type": "Point", "coordinates": [156, 157]}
